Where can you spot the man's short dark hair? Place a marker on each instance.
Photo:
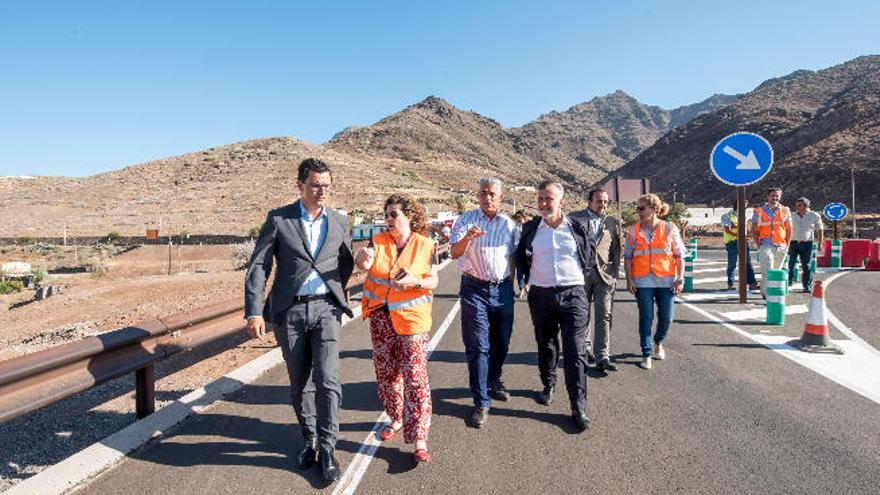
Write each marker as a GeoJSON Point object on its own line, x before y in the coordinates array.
{"type": "Point", "coordinates": [311, 165]}
{"type": "Point", "coordinates": [595, 191]}
{"type": "Point", "coordinates": [774, 189]}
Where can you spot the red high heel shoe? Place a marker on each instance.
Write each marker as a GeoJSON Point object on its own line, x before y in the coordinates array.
{"type": "Point", "coordinates": [422, 455]}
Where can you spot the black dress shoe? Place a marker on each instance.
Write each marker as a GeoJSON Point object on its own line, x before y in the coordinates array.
{"type": "Point", "coordinates": [546, 396]}
{"type": "Point", "coordinates": [581, 421]}
{"type": "Point", "coordinates": [308, 457]}
{"type": "Point", "coordinates": [605, 364]}
{"type": "Point", "coordinates": [479, 417]}
{"type": "Point", "coordinates": [329, 465]}
{"type": "Point", "coordinates": [498, 391]}
{"type": "Point", "coordinates": [591, 358]}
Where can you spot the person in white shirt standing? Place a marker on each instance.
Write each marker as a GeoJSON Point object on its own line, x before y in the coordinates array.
{"type": "Point", "coordinates": [806, 228]}
{"type": "Point", "coordinates": [556, 253]}
{"type": "Point", "coordinates": [483, 240]}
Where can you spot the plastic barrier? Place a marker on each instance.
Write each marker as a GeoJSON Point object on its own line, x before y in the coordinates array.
{"type": "Point", "coordinates": [776, 286]}
{"type": "Point", "coordinates": [825, 259]}
{"type": "Point", "coordinates": [855, 251]}
{"type": "Point", "coordinates": [874, 257]}
{"type": "Point", "coordinates": [689, 272]}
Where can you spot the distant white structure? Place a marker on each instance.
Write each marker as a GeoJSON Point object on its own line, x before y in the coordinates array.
{"type": "Point", "coordinates": [15, 269]}
{"type": "Point", "coordinates": [523, 188]}
{"type": "Point", "coordinates": [366, 231]}
{"type": "Point", "coordinates": [704, 217]}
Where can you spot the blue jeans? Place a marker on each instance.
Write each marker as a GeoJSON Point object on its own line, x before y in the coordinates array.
{"type": "Point", "coordinates": [645, 297]}
{"type": "Point", "coordinates": [732, 259]}
{"type": "Point", "coordinates": [486, 326]}
{"type": "Point", "coordinates": [804, 250]}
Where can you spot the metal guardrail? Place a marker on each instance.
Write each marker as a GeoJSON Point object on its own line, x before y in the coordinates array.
{"type": "Point", "coordinates": [35, 380]}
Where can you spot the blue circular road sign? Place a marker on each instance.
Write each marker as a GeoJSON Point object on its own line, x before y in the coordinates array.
{"type": "Point", "coordinates": [741, 159]}
{"type": "Point", "coordinates": [835, 211]}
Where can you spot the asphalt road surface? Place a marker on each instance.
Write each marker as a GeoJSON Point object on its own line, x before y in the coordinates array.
{"type": "Point", "coordinates": [726, 412]}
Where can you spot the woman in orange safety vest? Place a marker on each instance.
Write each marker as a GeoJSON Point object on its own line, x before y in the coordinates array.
{"type": "Point", "coordinates": [398, 298]}
{"type": "Point", "coordinates": [654, 272]}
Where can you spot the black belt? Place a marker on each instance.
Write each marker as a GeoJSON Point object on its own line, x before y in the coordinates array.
{"type": "Point", "coordinates": [310, 297]}
{"type": "Point", "coordinates": [555, 288]}
{"type": "Point", "coordinates": [487, 283]}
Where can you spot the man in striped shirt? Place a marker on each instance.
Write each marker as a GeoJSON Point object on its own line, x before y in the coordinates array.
{"type": "Point", "coordinates": [483, 241]}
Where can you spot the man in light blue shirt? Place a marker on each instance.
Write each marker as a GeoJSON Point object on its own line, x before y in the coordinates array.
{"type": "Point", "coordinates": [316, 234]}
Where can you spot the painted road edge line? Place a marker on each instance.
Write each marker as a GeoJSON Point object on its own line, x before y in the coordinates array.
{"type": "Point", "coordinates": [839, 324]}
{"type": "Point", "coordinates": [793, 354]}
{"type": "Point", "coordinates": [357, 468]}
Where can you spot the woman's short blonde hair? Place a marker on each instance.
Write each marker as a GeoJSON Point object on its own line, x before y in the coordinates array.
{"type": "Point", "coordinates": [655, 203]}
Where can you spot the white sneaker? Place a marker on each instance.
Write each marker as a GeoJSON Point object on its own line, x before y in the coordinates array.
{"type": "Point", "coordinates": [659, 352]}
{"type": "Point", "coordinates": [646, 363]}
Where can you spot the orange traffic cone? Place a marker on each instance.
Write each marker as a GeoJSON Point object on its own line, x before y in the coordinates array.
{"type": "Point", "coordinates": [815, 337]}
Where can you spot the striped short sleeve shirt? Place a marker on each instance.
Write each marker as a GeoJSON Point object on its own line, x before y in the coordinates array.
{"type": "Point", "coordinates": [487, 257]}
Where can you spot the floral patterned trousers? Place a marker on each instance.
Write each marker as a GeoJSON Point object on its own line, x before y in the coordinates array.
{"type": "Point", "coordinates": [401, 363]}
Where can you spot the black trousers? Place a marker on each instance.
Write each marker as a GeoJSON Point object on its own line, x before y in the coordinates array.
{"type": "Point", "coordinates": [562, 313]}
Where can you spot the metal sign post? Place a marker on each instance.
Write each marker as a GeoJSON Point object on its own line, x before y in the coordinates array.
{"type": "Point", "coordinates": [739, 160]}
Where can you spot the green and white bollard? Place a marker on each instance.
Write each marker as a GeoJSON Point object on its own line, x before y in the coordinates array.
{"type": "Point", "coordinates": [689, 272]}
{"type": "Point", "coordinates": [776, 287]}
{"type": "Point", "coordinates": [813, 262]}
{"type": "Point", "coordinates": [693, 248]}
{"type": "Point", "coordinates": [836, 250]}
{"type": "Point", "coordinates": [797, 270]}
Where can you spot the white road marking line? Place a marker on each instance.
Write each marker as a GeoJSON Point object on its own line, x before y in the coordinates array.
{"type": "Point", "coordinates": [709, 280]}
{"type": "Point", "coordinates": [710, 296]}
{"type": "Point", "coordinates": [705, 263]}
{"type": "Point", "coordinates": [358, 466]}
{"type": "Point", "coordinates": [710, 270]}
{"type": "Point", "coordinates": [761, 313]}
{"type": "Point", "coordinates": [848, 369]}
{"type": "Point", "coordinates": [839, 324]}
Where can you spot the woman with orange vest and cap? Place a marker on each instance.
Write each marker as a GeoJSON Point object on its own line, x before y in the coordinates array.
{"type": "Point", "coordinates": [397, 298]}
{"type": "Point", "coordinates": [654, 272]}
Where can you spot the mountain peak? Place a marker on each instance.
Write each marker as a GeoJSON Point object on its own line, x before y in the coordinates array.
{"type": "Point", "coordinates": [434, 103]}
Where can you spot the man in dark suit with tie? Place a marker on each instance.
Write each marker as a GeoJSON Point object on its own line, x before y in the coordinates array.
{"type": "Point", "coordinates": [311, 245]}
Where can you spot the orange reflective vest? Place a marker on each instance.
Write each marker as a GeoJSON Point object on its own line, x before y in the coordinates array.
{"type": "Point", "coordinates": [652, 257]}
{"type": "Point", "coordinates": [773, 226]}
{"type": "Point", "coordinates": [410, 309]}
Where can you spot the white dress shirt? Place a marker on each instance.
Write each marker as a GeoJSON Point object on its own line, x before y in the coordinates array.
{"type": "Point", "coordinates": [554, 257]}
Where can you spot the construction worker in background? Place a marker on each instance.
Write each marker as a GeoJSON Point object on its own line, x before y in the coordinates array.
{"type": "Point", "coordinates": [806, 229]}
{"type": "Point", "coordinates": [730, 222]}
{"type": "Point", "coordinates": [771, 231]}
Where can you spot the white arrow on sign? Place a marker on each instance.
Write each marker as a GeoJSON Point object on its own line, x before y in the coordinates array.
{"type": "Point", "coordinates": [749, 162]}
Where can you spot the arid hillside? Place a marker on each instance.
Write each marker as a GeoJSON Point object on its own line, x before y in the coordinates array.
{"type": "Point", "coordinates": [821, 125]}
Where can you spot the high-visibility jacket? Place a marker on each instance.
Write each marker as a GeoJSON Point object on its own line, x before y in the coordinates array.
{"type": "Point", "coordinates": [734, 219]}
{"type": "Point", "coordinates": [773, 226]}
{"type": "Point", "coordinates": [410, 309]}
{"type": "Point", "coordinates": [655, 256]}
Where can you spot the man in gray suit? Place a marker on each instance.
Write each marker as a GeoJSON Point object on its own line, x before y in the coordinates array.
{"type": "Point", "coordinates": [602, 280]}
{"type": "Point", "coordinates": [311, 245]}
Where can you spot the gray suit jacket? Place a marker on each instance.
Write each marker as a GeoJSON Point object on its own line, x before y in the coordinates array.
{"type": "Point", "coordinates": [283, 239]}
{"type": "Point", "coordinates": [607, 249]}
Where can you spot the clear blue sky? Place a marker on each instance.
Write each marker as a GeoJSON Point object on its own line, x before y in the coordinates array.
{"type": "Point", "coordinates": [91, 86]}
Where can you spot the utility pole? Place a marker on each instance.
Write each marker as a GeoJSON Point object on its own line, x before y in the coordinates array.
{"type": "Point", "coordinates": [852, 180]}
